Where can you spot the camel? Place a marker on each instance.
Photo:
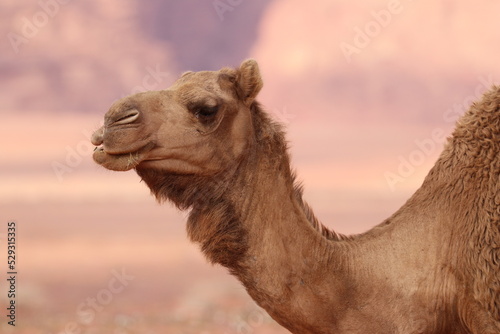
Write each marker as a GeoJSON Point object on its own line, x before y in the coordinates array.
{"type": "Point", "coordinates": [206, 145]}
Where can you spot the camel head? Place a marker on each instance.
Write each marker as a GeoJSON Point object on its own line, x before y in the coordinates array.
{"type": "Point", "coordinates": [200, 125]}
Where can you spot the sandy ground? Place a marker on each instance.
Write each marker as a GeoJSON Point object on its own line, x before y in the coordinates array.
{"type": "Point", "coordinates": [115, 268]}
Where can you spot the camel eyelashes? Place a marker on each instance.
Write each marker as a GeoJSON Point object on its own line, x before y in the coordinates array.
{"type": "Point", "coordinates": [205, 111]}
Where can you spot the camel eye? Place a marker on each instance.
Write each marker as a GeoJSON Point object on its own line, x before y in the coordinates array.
{"type": "Point", "coordinates": [206, 111]}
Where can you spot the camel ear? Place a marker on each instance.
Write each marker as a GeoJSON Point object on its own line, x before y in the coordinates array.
{"type": "Point", "coordinates": [249, 80]}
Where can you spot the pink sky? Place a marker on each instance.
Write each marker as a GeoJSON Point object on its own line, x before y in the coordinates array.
{"type": "Point", "coordinates": [352, 121]}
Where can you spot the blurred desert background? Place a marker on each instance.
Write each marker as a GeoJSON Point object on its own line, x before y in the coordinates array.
{"type": "Point", "coordinates": [368, 92]}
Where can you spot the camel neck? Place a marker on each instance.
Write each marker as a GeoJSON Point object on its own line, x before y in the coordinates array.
{"type": "Point", "coordinates": [258, 200]}
{"type": "Point", "coordinates": [260, 231]}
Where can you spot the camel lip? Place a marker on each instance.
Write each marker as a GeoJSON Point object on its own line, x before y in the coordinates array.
{"type": "Point", "coordinates": [134, 149]}
{"type": "Point", "coordinates": [117, 162]}
{"type": "Point", "coordinates": [101, 149]}
{"type": "Point", "coordinates": [100, 153]}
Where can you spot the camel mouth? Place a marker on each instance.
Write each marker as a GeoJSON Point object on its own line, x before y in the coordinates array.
{"type": "Point", "coordinates": [115, 152]}
{"type": "Point", "coordinates": [120, 160]}
{"type": "Point", "coordinates": [99, 148]}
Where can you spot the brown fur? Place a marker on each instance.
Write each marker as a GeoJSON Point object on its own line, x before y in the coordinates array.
{"type": "Point", "coordinates": [433, 267]}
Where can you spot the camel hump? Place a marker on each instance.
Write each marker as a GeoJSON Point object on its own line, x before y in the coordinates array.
{"type": "Point", "coordinates": [489, 105]}
{"type": "Point", "coordinates": [482, 120]}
